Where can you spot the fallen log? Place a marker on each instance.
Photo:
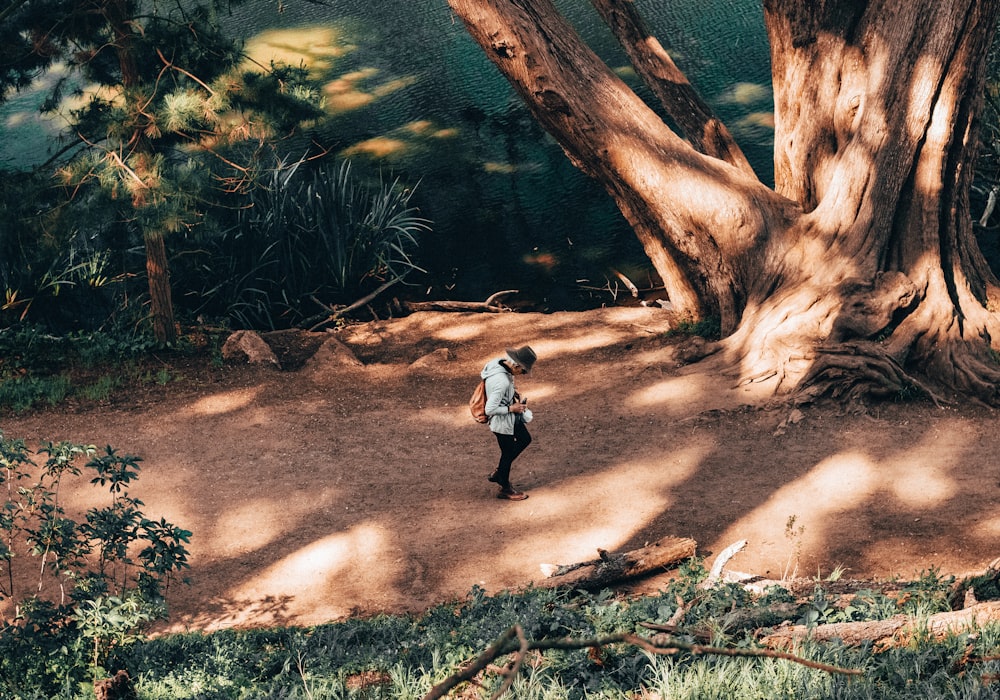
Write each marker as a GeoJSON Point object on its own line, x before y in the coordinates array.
{"type": "Point", "coordinates": [611, 568]}
{"type": "Point", "coordinates": [491, 304]}
{"type": "Point", "coordinates": [886, 633]}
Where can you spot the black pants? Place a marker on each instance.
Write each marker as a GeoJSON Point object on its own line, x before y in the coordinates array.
{"type": "Point", "coordinates": [511, 446]}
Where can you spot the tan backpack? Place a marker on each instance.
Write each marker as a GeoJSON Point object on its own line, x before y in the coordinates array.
{"type": "Point", "coordinates": [477, 403]}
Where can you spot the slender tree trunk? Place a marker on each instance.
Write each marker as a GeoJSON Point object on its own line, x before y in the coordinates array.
{"type": "Point", "coordinates": [704, 130]}
{"type": "Point", "coordinates": [138, 151]}
{"type": "Point", "coordinates": [159, 289]}
{"type": "Point", "coordinates": [858, 274]}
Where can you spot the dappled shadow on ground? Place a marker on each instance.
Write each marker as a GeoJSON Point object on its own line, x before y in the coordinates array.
{"type": "Point", "coordinates": [335, 490]}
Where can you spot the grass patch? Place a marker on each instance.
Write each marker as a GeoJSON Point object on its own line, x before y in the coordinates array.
{"type": "Point", "coordinates": [25, 392]}
{"type": "Point", "coordinates": [101, 389]}
{"type": "Point", "coordinates": [404, 657]}
{"type": "Point", "coordinates": [40, 369]}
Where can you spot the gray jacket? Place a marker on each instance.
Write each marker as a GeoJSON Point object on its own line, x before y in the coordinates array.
{"type": "Point", "coordinates": [499, 395]}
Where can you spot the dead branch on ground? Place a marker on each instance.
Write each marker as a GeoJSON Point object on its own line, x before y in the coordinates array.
{"type": "Point", "coordinates": [338, 312]}
{"type": "Point", "coordinates": [891, 632]}
{"type": "Point", "coordinates": [513, 641]}
{"type": "Point", "coordinates": [491, 305]}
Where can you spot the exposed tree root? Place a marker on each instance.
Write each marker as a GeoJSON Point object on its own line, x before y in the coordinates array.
{"type": "Point", "coordinates": [974, 377]}
{"type": "Point", "coordinates": [856, 370]}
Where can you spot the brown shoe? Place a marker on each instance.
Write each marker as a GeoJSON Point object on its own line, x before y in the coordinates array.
{"type": "Point", "coordinates": [512, 495]}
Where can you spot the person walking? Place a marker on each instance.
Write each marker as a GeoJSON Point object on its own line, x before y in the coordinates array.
{"type": "Point", "coordinates": [508, 414]}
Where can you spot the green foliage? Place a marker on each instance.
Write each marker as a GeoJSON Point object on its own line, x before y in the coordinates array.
{"type": "Point", "coordinates": [307, 239]}
{"type": "Point", "coordinates": [709, 328]}
{"type": "Point", "coordinates": [154, 147]}
{"type": "Point", "coordinates": [62, 263]}
{"type": "Point", "coordinates": [22, 393]}
{"type": "Point", "coordinates": [79, 590]}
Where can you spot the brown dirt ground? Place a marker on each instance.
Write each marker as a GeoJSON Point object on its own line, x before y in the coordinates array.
{"type": "Point", "coordinates": [324, 490]}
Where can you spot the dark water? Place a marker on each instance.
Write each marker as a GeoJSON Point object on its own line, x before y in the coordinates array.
{"type": "Point", "coordinates": [509, 210]}
{"type": "Point", "coordinates": [411, 95]}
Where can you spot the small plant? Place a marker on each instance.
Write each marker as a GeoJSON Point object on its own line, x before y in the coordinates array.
{"type": "Point", "coordinates": [909, 391]}
{"type": "Point", "coordinates": [794, 536]}
{"type": "Point", "coordinates": [709, 328]}
{"type": "Point", "coordinates": [106, 623]}
{"type": "Point", "coordinates": [835, 575]}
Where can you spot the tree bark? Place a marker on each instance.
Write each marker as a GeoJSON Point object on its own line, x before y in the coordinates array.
{"type": "Point", "coordinates": [858, 275]}
{"type": "Point", "coordinates": [875, 138]}
{"type": "Point", "coordinates": [160, 298]}
{"type": "Point", "coordinates": [613, 568]}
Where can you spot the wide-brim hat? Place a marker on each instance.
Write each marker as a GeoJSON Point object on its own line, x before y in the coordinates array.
{"type": "Point", "coordinates": [523, 356]}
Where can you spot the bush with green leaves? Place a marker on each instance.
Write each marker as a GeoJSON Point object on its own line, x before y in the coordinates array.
{"type": "Point", "coordinates": [73, 591]}
{"type": "Point", "coordinates": [306, 239]}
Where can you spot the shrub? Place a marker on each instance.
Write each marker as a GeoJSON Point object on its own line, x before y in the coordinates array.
{"type": "Point", "coordinates": [77, 590]}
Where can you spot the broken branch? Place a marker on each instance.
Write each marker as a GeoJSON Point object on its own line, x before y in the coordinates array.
{"type": "Point", "coordinates": [337, 313]}
{"type": "Point", "coordinates": [891, 631]}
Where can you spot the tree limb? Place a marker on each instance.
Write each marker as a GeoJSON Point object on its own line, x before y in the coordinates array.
{"type": "Point", "coordinates": [489, 305]}
{"type": "Point", "coordinates": [609, 568]}
{"type": "Point", "coordinates": [704, 130]}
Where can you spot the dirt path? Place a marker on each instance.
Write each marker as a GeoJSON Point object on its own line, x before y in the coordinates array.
{"type": "Point", "coordinates": [333, 490]}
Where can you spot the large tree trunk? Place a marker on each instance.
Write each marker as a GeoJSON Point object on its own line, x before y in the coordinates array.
{"type": "Point", "coordinates": [858, 274]}
{"type": "Point", "coordinates": [875, 112]}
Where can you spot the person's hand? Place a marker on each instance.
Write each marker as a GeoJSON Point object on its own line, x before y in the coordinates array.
{"type": "Point", "coordinates": [516, 408]}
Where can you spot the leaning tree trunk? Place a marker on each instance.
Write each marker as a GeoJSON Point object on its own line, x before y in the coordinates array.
{"type": "Point", "coordinates": [695, 215]}
{"type": "Point", "coordinates": [859, 271]}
